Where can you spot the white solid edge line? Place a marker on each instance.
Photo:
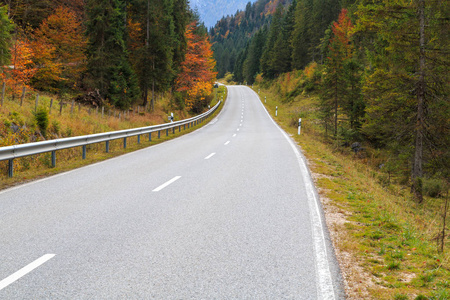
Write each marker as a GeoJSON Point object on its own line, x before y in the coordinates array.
{"type": "Point", "coordinates": [162, 186]}
{"type": "Point", "coordinates": [227, 143]}
{"type": "Point", "coordinates": [25, 270]}
{"type": "Point", "coordinates": [211, 155]}
{"type": "Point", "coordinates": [325, 286]}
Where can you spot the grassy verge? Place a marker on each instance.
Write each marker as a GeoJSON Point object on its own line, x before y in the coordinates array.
{"type": "Point", "coordinates": [38, 166]}
{"type": "Point", "coordinates": [384, 240]}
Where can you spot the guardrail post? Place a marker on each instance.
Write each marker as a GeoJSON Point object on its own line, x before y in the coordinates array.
{"type": "Point", "coordinates": [167, 132]}
{"type": "Point", "coordinates": [53, 159]}
{"type": "Point", "coordinates": [139, 138]}
{"type": "Point", "coordinates": [149, 136]}
{"type": "Point", "coordinates": [107, 147]}
{"type": "Point", "coordinates": [124, 143]}
{"type": "Point", "coordinates": [84, 152]}
{"type": "Point", "coordinates": [179, 128]}
{"type": "Point", "coordinates": [184, 126]}
{"type": "Point", "coordinates": [173, 130]}
{"type": "Point", "coordinates": [159, 134]}
{"type": "Point", "coordinates": [11, 168]}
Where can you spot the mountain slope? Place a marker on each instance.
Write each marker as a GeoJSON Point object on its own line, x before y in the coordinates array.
{"type": "Point", "coordinates": [230, 36]}
{"type": "Point", "coordinates": [213, 10]}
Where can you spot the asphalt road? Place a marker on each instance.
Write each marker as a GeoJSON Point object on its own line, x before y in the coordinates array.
{"type": "Point", "coordinates": [226, 212]}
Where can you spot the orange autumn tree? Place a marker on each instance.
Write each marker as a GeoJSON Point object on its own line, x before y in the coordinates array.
{"type": "Point", "coordinates": [59, 48]}
{"type": "Point", "coordinates": [22, 68]}
{"type": "Point", "coordinates": [197, 75]}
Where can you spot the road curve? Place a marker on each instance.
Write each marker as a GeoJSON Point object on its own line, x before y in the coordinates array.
{"type": "Point", "coordinates": [228, 211]}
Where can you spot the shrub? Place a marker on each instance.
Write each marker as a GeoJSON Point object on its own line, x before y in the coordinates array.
{"type": "Point", "coordinates": [400, 297]}
{"type": "Point", "coordinates": [433, 187]}
{"type": "Point", "coordinates": [56, 127]}
{"type": "Point", "coordinates": [41, 118]}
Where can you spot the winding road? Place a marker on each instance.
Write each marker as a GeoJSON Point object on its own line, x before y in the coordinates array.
{"type": "Point", "coordinates": [226, 212]}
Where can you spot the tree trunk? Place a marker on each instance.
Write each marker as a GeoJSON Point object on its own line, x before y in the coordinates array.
{"type": "Point", "coordinates": [145, 96]}
{"type": "Point", "coordinates": [335, 109]}
{"type": "Point", "coordinates": [148, 24]}
{"type": "Point", "coordinates": [152, 106]}
{"type": "Point", "coordinates": [417, 170]}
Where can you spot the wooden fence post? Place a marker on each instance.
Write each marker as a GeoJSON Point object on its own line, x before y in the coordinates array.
{"type": "Point", "coordinates": [36, 103]}
{"type": "Point", "coordinates": [103, 111]}
{"type": "Point", "coordinates": [79, 107]}
{"type": "Point", "coordinates": [24, 90]}
{"type": "Point", "coordinates": [3, 93]}
{"type": "Point", "coordinates": [50, 108]}
{"type": "Point", "coordinates": [61, 107]}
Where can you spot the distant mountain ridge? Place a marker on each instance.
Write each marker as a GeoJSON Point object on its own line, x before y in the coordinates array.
{"type": "Point", "coordinates": [231, 34]}
{"type": "Point", "coordinates": [212, 11]}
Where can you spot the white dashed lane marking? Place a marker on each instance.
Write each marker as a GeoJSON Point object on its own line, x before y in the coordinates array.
{"type": "Point", "coordinates": [211, 155]}
{"type": "Point", "coordinates": [162, 186]}
{"type": "Point", "coordinates": [25, 270]}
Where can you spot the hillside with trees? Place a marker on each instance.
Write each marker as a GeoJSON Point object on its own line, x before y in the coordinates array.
{"type": "Point", "coordinates": [127, 51]}
{"type": "Point", "coordinates": [232, 34]}
{"type": "Point", "coordinates": [212, 10]}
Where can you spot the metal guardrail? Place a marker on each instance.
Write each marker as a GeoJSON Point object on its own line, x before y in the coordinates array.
{"type": "Point", "coordinates": [16, 151]}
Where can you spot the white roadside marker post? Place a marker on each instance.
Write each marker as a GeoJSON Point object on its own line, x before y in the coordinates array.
{"type": "Point", "coordinates": [299, 125]}
{"type": "Point", "coordinates": [276, 111]}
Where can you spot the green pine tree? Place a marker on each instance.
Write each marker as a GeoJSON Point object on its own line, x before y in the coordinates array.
{"type": "Point", "coordinates": [6, 26]}
{"type": "Point", "coordinates": [301, 39]}
{"type": "Point", "coordinates": [252, 64]}
{"type": "Point", "coordinates": [407, 83]}
{"type": "Point", "coordinates": [268, 64]}
{"type": "Point", "coordinates": [109, 69]}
